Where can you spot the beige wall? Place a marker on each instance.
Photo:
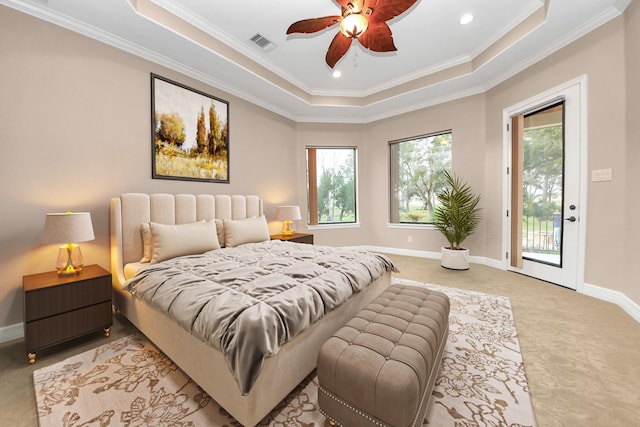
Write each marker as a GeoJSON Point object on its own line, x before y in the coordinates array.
{"type": "Point", "coordinates": [599, 55]}
{"type": "Point", "coordinates": [632, 194]}
{"type": "Point", "coordinates": [611, 63]}
{"type": "Point", "coordinates": [61, 92]}
{"type": "Point", "coordinates": [75, 118]}
{"type": "Point", "coordinates": [464, 117]}
{"type": "Point", "coordinates": [333, 135]}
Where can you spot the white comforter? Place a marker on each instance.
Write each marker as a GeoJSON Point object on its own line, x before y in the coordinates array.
{"type": "Point", "coordinates": [250, 300]}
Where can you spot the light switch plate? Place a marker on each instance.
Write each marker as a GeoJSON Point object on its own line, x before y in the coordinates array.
{"type": "Point", "coordinates": [601, 175]}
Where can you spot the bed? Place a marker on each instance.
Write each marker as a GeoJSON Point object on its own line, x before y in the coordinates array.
{"type": "Point", "coordinates": [280, 372]}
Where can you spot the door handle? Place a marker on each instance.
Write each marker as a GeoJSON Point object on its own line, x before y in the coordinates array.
{"type": "Point", "coordinates": [571, 219]}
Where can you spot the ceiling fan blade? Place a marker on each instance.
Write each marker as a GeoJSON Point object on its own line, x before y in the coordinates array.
{"type": "Point", "coordinates": [383, 10]}
{"type": "Point", "coordinates": [338, 47]}
{"type": "Point", "coordinates": [378, 38]}
{"type": "Point", "coordinates": [314, 24]}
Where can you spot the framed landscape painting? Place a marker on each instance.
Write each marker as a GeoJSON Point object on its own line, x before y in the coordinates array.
{"type": "Point", "coordinates": [190, 133]}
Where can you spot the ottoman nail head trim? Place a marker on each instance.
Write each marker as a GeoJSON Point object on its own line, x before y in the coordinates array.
{"type": "Point", "coordinates": [352, 408]}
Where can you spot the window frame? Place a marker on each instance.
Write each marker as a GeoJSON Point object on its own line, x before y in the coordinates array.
{"type": "Point", "coordinates": [312, 188]}
{"type": "Point", "coordinates": [394, 168]}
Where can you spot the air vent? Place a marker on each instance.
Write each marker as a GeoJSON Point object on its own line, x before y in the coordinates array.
{"type": "Point", "coordinates": [262, 42]}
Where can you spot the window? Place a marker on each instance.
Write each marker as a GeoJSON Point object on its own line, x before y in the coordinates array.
{"type": "Point", "coordinates": [416, 176]}
{"type": "Point", "coordinates": [331, 177]}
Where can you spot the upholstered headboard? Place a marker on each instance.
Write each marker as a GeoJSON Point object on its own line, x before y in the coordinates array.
{"type": "Point", "coordinates": [129, 210]}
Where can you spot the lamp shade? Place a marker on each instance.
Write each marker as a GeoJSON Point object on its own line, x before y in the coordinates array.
{"type": "Point", "coordinates": [287, 214]}
{"type": "Point", "coordinates": [284, 213]}
{"type": "Point", "coordinates": [68, 228]}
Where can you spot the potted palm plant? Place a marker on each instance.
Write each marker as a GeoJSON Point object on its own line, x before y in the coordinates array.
{"type": "Point", "coordinates": [457, 217]}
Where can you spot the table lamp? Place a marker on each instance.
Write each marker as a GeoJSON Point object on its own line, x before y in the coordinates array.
{"type": "Point", "coordinates": [68, 228]}
{"type": "Point", "coordinates": [288, 214]}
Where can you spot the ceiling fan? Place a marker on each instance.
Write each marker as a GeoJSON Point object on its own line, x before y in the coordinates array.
{"type": "Point", "coordinates": [364, 20]}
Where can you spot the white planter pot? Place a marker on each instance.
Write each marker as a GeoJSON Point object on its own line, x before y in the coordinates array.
{"type": "Point", "coordinates": [455, 259]}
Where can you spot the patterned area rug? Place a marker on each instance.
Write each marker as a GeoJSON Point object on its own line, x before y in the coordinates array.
{"type": "Point", "coordinates": [129, 382]}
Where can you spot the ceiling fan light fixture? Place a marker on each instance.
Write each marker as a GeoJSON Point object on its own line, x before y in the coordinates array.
{"type": "Point", "coordinates": [353, 25]}
{"type": "Point", "coordinates": [354, 21]}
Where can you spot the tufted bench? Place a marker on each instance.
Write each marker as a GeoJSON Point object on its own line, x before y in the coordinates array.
{"type": "Point", "coordinates": [379, 369]}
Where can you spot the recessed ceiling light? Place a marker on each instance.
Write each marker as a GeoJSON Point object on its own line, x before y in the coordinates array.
{"type": "Point", "coordinates": [467, 18]}
{"type": "Point", "coordinates": [337, 74]}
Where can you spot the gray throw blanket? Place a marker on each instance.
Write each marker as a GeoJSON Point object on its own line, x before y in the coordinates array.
{"type": "Point", "coordinates": [249, 300]}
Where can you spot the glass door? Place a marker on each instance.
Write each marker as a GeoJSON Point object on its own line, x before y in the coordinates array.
{"type": "Point", "coordinates": [545, 189]}
{"type": "Point", "coordinates": [543, 185]}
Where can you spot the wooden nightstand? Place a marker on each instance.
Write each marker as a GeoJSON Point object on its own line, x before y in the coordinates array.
{"type": "Point", "coordinates": [296, 237]}
{"type": "Point", "coordinates": [61, 308]}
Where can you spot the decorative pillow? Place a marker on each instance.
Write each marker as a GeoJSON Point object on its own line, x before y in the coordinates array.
{"type": "Point", "coordinates": [170, 241]}
{"type": "Point", "coordinates": [240, 231]}
{"type": "Point", "coordinates": [220, 230]}
{"type": "Point", "coordinates": [146, 242]}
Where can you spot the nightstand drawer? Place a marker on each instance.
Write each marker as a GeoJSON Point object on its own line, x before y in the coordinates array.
{"type": "Point", "coordinates": [52, 330]}
{"type": "Point", "coordinates": [45, 302]}
{"type": "Point", "coordinates": [58, 308]}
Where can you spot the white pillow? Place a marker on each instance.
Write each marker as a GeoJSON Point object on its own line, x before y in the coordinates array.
{"type": "Point", "coordinates": [240, 231]}
{"type": "Point", "coordinates": [170, 241]}
{"type": "Point", "coordinates": [146, 242]}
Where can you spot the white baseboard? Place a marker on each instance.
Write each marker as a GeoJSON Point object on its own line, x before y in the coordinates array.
{"type": "Point", "coordinates": [16, 331]}
{"type": "Point", "coordinates": [396, 251]}
{"type": "Point", "coordinates": [609, 295]}
{"type": "Point", "coordinates": [11, 332]}
{"type": "Point", "coordinates": [431, 255]}
{"type": "Point", "coordinates": [615, 297]}
{"type": "Point", "coordinates": [489, 262]}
